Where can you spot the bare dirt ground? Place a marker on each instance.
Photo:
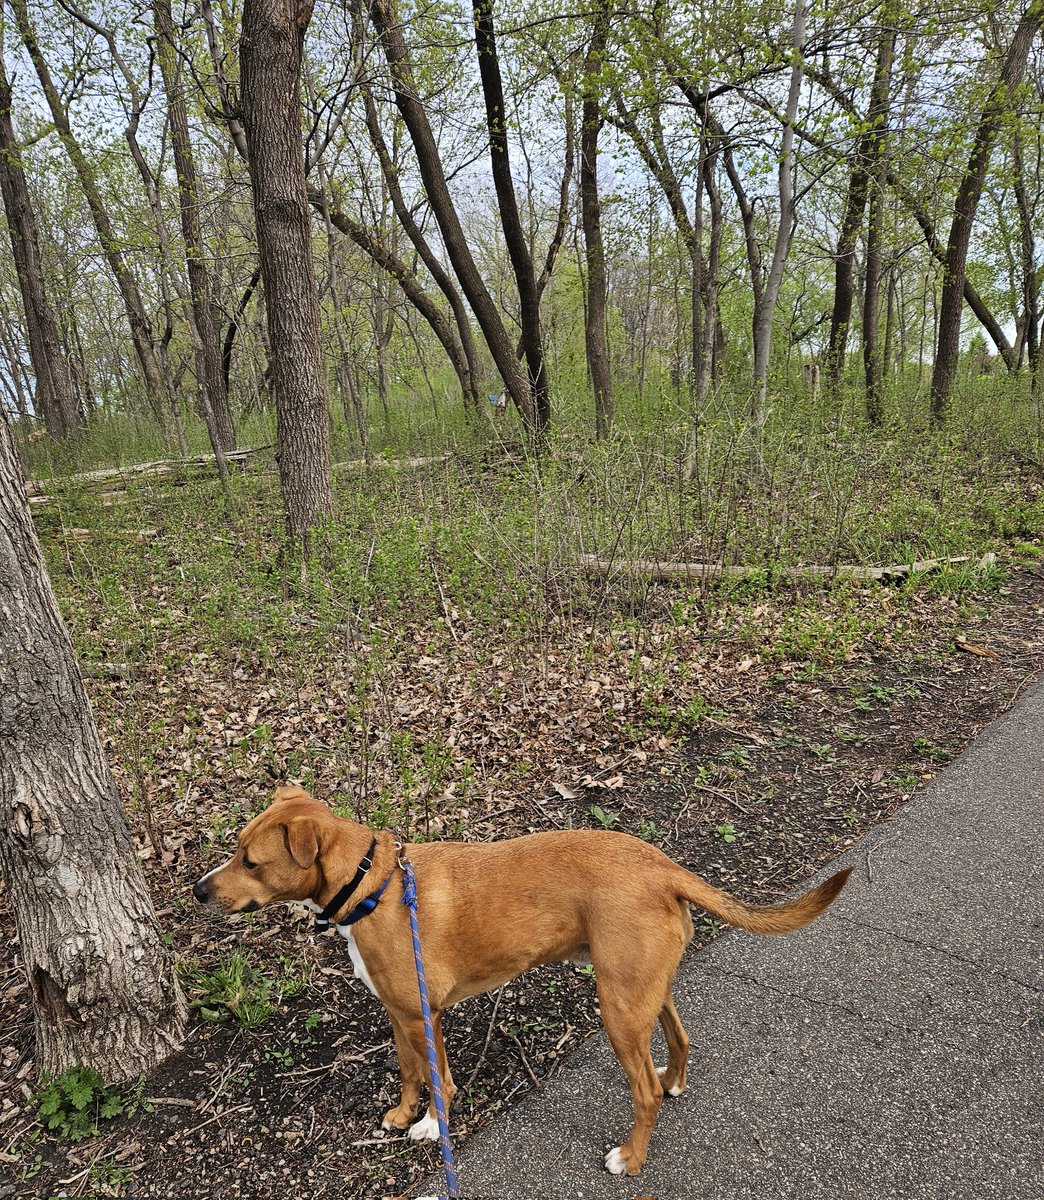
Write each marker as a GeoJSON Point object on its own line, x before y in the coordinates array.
{"type": "Point", "coordinates": [784, 769]}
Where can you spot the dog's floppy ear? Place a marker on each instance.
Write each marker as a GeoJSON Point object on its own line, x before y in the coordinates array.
{"type": "Point", "coordinates": [302, 842]}
{"type": "Point", "coordinates": [288, 791]}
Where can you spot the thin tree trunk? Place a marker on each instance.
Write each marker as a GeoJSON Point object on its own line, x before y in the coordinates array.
{"type": "Point", "coordinates": [343, 372]}
{"type": "Point", "coordinates": [389, 29]}
{"type": "Point", "coordinates": [968, 193]}
{"type": "Point", "coordinates": [406, 278]}
{"type": "Point", "coordinates": [140, 327]}
{"type": "Point", "coordinates": [471, 382]}
{"type": "Point", "coordinates": [844, 266]}
{"type": "Point", "coordinates": [591, 216]}
{"type": "Point", "coordinates": [270, 69]}
{"type": "Point", "coordinates": [228, 343]}
{"type": "Point", "coordinates": [1028, 260]}
{"type": "Point", "coordinates": [765, 312]}
{"type": "Point", "coordinates": [55, 398]}
{"type": "Point", "coordinates": [510, 221]}
{"type": "Point", "coordinates": [101, 980]}
{"type": "Point", "coordinates": [210, 380]}
{"type": "Point", "coordinates": [877, 170]}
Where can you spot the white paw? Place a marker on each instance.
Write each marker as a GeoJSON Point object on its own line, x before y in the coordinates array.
{"type": "Point", "coordinates": [672, 1091]}
{"type": "Point", "coordinates": [615, 1163]}
{"type": "Point", "coordinates": [425, 1130]}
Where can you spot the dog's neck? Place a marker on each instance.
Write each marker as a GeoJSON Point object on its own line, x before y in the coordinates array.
{"type": "Point", "coordinates": [340, 866]}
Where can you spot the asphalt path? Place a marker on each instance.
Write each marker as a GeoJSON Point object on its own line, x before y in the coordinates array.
{"type": "Point", "coordinates": [894, 1048]}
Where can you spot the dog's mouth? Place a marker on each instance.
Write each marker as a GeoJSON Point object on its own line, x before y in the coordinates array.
{"type": "Point", "coordinates": [250, 906]}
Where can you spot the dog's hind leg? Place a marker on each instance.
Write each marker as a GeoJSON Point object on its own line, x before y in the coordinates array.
{"type": "Point", "coordinates": [629, 1021]}
{"type": "Point", "coordinates": [672, 1077]}
{"type": "Point", "coordinates": [411, 1072]}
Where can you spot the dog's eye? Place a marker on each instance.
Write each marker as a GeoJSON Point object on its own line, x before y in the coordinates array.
{"type": "Point", "coordinates": [248, 864]}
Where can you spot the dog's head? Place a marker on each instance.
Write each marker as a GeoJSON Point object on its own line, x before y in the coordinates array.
{"type": "Point", "coordinates": [278, 855]}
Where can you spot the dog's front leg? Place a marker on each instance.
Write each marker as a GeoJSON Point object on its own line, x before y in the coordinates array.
{"type": "Point", "coordinates": [411, 1072]}
{"type": "Point", "coordinates": [409, 1032]}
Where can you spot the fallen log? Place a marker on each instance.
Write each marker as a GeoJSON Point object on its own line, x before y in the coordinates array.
{"type": "Point", "coordinates": [161, 469]}
{"type": "Point", "coordinates": [665, 572]}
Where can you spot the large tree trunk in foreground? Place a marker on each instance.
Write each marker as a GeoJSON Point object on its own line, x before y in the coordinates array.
{"type": "Point", "coordinates": [270, 69]}
{"type": "Point", "coordinates": [55, 399]}
{"type": "Point", "coordinates": [102, 982]}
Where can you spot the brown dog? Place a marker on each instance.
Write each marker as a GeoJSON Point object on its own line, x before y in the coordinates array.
{"type": "Point", "coordinates": [491, 911]}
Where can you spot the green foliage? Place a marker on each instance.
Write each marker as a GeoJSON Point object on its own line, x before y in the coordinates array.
{"type": "Point", "coordinates": [71, 1105]}
{"type": "Point", "coordinates": [603, 818]}
{"type": "Point", "coordinates": [237, 990]}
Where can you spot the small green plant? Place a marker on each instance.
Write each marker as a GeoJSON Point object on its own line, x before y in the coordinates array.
{"type": "Point", "coordinates": [71, 1105]}
{"type": "Point", "coordinates": [929, 749]}
{"type": "Point", "coordinates": [726, 831]}
{"type": "Point", "coordinates": [237, 990]}
{"type": "Point", "coordinates": [603, 818]}
{"type": "Point", "coordinates": [709, 927]}
{"type": "Point", "coordinates": [109, 1178]}
{"type": "Point", "coordinates": [649, 831]}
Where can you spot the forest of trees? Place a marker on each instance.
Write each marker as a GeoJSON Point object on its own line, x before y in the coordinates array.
{"type": "Point", "coordinates": [618, 201]}
{"type": "Point", "coordinates": [226, 216]}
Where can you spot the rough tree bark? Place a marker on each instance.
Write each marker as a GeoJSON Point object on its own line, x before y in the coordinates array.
{"type": "Point", "coordinates": [55, 399]}
{"type": "Point", "coordinates": [591, 218]}
{"type": "Point", "coordinates": [270, 69]}
{"type": "Point", "coordinates": [102, 982]}
{"type": "Point", "coordinates": [969, 191]}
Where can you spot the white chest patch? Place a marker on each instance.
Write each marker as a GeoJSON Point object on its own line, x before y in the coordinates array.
{"type": "Point", "coordinates": [358, 965]}
{"type": "Point", "coordinates": [356, 956]}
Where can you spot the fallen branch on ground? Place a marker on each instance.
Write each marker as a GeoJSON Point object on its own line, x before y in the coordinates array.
{"type": "Point", "coordinates": [162, 469]}
{"type": "Point", "coordinates": [673, 571]}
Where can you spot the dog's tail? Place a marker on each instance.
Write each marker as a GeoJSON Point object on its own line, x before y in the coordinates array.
{"type": "Point", "coordinates": [767, 918]}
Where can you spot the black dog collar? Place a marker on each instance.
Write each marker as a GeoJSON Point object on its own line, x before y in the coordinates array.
{"type": "Point", "coordinates": [322, 920]}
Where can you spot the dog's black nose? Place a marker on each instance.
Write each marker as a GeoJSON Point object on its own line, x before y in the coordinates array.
{"type": "Point", "coordinates": [201, 891]}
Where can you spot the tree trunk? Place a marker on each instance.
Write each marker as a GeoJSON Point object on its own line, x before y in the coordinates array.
{"type": "Point", "coordinates": [1027, 261]}
{"type": "Point", "coordinates": [510, 221]}
{"type": "Point", "coordinates": [877, 170]}
{"type": "Point", "coordinates": [591, 217]}
{"type": "Point", "coordinates": [844, 266]}
{"type": "Point", "coordinates": [966, 203]}
{"type": "Point", "coordinates": [765, 311]}
{"type": "Point", "coordinates": [270, 69]}
{"type": "Point", "coordinates": [429, 163]}
{"type": "Point", "coordinates": [137, 318]}
{"type": "Point", "coordinates": [102, 982]}
{"type": "Point", "coordinates": [210, 380]}
{"type": "Point", "coordinates": [55, 399]}
{"type": "Point", "coordinates": [471, 381]}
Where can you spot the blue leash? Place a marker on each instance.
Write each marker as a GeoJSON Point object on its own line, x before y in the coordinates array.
{"type": "Point", "coordinates": [409, 898]}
